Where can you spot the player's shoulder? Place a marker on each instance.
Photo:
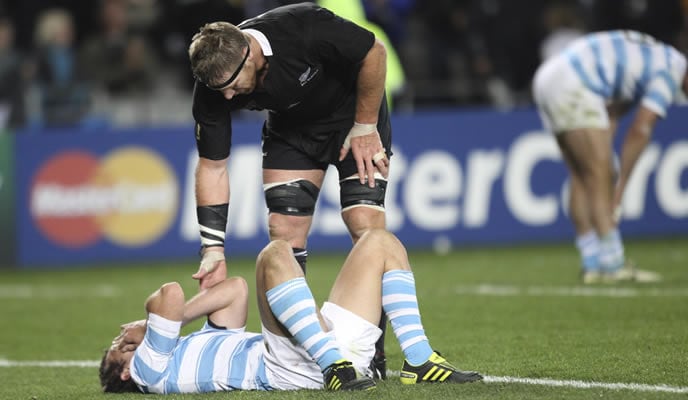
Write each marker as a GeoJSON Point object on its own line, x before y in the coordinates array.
{"type": "Point", "coordinates": [306, 10]}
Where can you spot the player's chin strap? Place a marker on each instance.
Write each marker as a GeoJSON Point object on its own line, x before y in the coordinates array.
{"type": "Point", "coordinates": [210, 259]}
{"type": "Point", "coordinates": [359, 130]}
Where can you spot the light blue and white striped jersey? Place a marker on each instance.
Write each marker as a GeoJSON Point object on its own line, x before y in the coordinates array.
{"type": "Point", "coordinates": [629, 66]}
{"type": "Point", "coordinates": [209, 360]}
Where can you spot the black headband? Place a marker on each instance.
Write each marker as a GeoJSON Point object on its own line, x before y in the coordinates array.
{"type": "Point", "coordinates": [234, 75]}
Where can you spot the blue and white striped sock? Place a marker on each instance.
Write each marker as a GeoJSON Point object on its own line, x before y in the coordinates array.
{"type": "Point", "coordinates": [611, 251]}
{"type": "Point", "coordinates": [401, 306]}
{"type": "Point", "coordinates": [588, 245]}
{"type": "Point", "coordinates": [293, 305]}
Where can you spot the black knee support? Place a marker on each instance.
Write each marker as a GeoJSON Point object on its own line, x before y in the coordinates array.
{"type": "Point", "coordinates": [353, 193]}
{"type": "Point", "coordinates": [292, 198]}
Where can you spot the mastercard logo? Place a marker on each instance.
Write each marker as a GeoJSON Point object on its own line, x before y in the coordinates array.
{"type": "Point", "coordinates": [128, 197]}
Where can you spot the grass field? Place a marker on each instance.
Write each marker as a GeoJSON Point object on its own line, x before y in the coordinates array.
{"type": "Point", "coordinates": [518, 315]}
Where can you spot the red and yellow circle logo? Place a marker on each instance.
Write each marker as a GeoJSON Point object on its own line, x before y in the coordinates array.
{"type": "Point", "coordinates": [129, 196]}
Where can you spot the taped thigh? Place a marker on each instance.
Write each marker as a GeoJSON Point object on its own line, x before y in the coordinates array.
{"type": "Point", "coordinates": [354, 194]}
{"type": "Point", "coordinates": [296, 197]}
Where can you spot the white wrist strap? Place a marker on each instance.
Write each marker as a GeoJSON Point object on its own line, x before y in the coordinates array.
{"type": "Point", "coordinates": [359, 130]}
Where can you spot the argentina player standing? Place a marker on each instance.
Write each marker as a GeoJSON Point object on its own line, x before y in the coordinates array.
{"type": "Point", "coordinates": [581, 94]}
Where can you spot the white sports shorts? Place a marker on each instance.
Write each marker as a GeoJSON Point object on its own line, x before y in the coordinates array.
{"type": "Point", "coordinates": [563, 101]}
{"type": "Point", "coordinates": [288, 365]}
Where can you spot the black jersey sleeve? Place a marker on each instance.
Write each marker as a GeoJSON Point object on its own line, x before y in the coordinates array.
{"type": "Point", "coordinates": [213, 128]}
{"type": "Point", "coordinates": [337, 40]}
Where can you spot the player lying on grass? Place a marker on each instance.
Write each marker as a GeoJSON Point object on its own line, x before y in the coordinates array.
{"type": "Point", "coordinates": [301, 347]}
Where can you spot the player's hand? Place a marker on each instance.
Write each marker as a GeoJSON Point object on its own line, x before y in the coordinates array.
{"type": "Point", "coordinates": [213, 268]}
{"type": "Point", "coordinates": [130, 336]}
{"type": "Point", "coordinates": [368, 151]}
{"type": "Point", "coordinates": [132, 324]}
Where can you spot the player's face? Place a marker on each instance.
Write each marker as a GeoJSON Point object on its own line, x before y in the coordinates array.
{"type": "Point", "coordinates": [244, 83]}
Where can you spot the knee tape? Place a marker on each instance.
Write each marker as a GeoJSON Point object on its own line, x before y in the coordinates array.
{"type": "Point", "coordinates": [354, 194]}
{"type": "Point", "coordinates": [292, 198]}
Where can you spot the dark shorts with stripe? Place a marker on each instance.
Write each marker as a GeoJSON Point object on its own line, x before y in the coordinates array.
{"type": "Point", "coordinates": [316, 149]}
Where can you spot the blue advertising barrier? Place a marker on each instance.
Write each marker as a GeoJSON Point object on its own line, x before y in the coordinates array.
{"type": "Point", "coordinates": [457, 178]}
{"type": "Point", "coordinates": [7, 231]}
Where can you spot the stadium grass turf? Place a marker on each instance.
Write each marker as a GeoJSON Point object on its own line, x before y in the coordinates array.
{"type": "Point", "coordinates": [506, 312]}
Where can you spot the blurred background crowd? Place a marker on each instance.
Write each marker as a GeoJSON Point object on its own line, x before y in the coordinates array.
{"type": "Point", "coordinates": [97, 63]}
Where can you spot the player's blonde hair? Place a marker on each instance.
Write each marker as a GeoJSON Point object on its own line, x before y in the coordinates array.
{"type": "Point", "coordinates": [218, 47]}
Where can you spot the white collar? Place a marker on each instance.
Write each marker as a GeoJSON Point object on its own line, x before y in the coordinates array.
{"type": "Point", "coordinates": [261, 39]}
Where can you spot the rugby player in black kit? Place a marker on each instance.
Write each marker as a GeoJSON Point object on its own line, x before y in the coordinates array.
{"type": "Point", "coordinates": [321, 78]}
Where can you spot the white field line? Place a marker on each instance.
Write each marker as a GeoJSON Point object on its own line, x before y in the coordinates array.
{"type": "Point", "coordinates": [50, 364]}
{"type": "Point", "coordinates": [568, 291]}
{"type": "Point", "coordinates": [638, 387]}
{"type": "Point", "coordinates": [25, 291]}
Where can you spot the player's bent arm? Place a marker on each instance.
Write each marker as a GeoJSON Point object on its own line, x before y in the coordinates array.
{"type": "Point", "coordinates": [371, 84]}
{"type": "Point", "coordinates": [225, 304]}
{"type": "Point", "coordinates": [167, 302]}
{"type": "Point", "coordinates": [636, 139]}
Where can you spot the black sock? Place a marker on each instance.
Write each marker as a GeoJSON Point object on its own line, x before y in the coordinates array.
{"type": "Point", "coordinates": [301, 256]}
{"type": "Point", "coordinates": [380, 359]}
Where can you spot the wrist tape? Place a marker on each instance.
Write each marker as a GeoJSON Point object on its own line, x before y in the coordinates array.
{"type": "Point", "coordinates": [212, 222]}
{"type": "Point", "coordinates": [359, 130]}
{"type": "Point", "coordinates": [210, 259]}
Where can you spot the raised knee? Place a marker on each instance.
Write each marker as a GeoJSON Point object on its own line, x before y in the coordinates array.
{"type": "Point", "coordinates": [236, 285]}
{"type": "Point", "coordinates": [274, 250]}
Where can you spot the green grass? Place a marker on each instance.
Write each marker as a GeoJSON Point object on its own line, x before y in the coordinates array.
{"type": "Point", "coordinates": [641, 338]}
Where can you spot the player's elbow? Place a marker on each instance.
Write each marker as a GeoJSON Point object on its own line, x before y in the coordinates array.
{"type": "Point", "coordinates": [172, 289]}
{"type": "Point", "coordinates": [169, 293]}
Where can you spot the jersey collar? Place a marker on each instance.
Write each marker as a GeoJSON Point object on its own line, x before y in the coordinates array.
{"type": "Point", "coordinates": [261, 39]}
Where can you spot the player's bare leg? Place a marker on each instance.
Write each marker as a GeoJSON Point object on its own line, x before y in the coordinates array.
{"type": "Point", "coordinates": [587, 241]}
{"type": "Point", "coordinates": [589, 155]}
{"type": "Point", "coordinates": [287, 308]}
{"type": "Point", "coordinates": [292, 202]}
{"type": "Point", "coordinates": [376, 275]}
{"type": "Point", "coordinates": [360, 220]}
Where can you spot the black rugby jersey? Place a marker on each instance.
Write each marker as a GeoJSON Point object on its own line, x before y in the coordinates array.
{"type": "Point", "coordinates": [309, 89]}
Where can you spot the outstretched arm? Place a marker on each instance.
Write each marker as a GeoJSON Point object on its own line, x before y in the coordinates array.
{"type": "Point", "coordinates": [212, 199]}
{"type": "Point", "coordinates": [635, 141]}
